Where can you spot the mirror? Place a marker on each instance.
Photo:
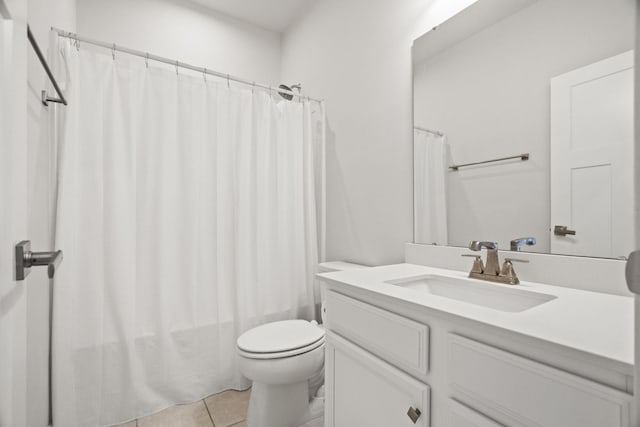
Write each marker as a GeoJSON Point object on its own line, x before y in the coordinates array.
{"type": "Point", "coordinates": [523, 127]}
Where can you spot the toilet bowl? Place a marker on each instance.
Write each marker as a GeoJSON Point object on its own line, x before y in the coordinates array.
{"type": "Point", "coordinates": [280, 358]}
{"type": "Point", "coordinates": [285, 362]}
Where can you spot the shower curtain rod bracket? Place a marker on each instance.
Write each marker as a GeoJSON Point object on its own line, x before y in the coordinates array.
{"type": "Point", "coordinates": [433, 132]}
{"type": "Point", "coordinates": [46, 99]}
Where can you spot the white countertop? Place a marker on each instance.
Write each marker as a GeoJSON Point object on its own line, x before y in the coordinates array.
{"type": "Point", "coordinates": [596, 323]}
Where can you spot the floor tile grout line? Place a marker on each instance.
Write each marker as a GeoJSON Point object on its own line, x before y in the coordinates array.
{"type": "Point", "coordinates": [209, 412]}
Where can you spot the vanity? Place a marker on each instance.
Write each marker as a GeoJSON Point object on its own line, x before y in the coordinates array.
{"type": "Point", "coordinates": [523, 140]}
{"type": "Point", "coordinates": [410, 344]}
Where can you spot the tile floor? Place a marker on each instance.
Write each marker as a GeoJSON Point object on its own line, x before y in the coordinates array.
{"type": "Point", "coordinates": [226, 409]}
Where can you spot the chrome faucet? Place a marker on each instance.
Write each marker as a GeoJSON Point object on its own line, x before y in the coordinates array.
{"type": "Point", "coordinates": [491, 270]}
{"type": "Point", "coordinates": [516, 244]}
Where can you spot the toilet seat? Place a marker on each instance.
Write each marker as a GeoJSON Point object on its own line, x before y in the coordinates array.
{"type": "Point", "coordinates": [282, 354]}
{"type": "Point", "coordinates": [282, 339]}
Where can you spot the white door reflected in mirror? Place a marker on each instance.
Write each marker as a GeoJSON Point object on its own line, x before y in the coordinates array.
{"type": "Point", "coordinates": [592, 159]}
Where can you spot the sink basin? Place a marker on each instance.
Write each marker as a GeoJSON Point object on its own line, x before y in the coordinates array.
{"type": "Point", "coordinates": [495, 296]}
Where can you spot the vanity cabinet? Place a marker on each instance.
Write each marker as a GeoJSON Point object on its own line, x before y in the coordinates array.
{"type": "Point", "coordinates": [366, 391]}
{"type": "Point", "coordinates": [379, 364]}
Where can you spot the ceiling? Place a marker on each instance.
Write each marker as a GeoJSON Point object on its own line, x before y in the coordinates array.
{"type": "Point", "coordinates": [274, 15]}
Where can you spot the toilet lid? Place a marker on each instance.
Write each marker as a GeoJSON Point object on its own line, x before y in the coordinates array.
{"type": "Point", "coordinates": [281, 336]}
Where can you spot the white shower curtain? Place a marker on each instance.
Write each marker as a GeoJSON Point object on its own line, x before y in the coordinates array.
{"type": "Point", "coordinates": [430, 185]}
{"type": "Point", "coordinates": [186, 212]}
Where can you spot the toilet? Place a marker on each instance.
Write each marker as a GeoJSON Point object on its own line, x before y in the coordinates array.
{"type": "Point", "coordinates": [285, 362]}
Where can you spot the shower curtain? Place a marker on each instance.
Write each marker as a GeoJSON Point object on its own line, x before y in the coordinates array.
{"type": "Point", "coordinates": [187, 214]}
{"type": "Point", "coordinates": [430, 185]}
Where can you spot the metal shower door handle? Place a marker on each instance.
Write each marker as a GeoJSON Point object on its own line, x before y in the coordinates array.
{"type": "Point", "coordinates": [25, 259]}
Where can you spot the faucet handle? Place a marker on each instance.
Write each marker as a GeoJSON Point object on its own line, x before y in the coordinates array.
{"type": "Point", "coordinates": [478, 265]}
{"type": "Point", "coordinates": [508, 271]}
{"type": "Point", "coordinates": [515, 260]}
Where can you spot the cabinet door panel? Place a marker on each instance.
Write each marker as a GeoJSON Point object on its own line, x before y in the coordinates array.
{"type": "Point", "coordinates": [365, 391]}
{"type": "Point", "coordinates": [462, 416]}
{"type": "Point", "coordinates": [529, 392]}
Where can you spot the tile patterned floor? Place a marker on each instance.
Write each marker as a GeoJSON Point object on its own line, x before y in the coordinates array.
{"type": "Point", "coordinates": [226, 409]}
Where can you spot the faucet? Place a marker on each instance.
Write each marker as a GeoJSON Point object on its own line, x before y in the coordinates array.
{"type": "Point", "coordinates": [492, 266]}
{"type": "Point", "coordinates": [516, 244]}
{"type": "Point", "coordinates": [492, 271]}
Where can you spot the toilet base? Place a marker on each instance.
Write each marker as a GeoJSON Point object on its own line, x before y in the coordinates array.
{"type": "Point", "coordinates": [315, 415]}
{"type": "Point", "coordinates": [278, 405]}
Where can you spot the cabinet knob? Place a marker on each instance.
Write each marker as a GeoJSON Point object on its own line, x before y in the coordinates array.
{"type": "Point", "coordinates": [414, 414]}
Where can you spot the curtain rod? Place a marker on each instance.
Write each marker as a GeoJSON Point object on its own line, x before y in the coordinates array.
{"type": "Point", "coordinates": [4, 11]}
{"type": "Point", "coordinates": [435, 132]}
{"type": "Point", "coordinates": [46, 98]}
{"type": "Point", "coordinates": [115, 48]}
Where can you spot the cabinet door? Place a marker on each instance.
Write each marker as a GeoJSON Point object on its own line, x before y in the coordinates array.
{"type": "Point", "coordinates": [362, 390]}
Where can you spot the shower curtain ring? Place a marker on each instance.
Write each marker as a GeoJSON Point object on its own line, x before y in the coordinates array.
{"type": "Point", "coordinates": [228, 87]}
{"type": "Point", "coordinates": [253, 87]}
{"type": "Point", "coordinates": [177, 67]}
{"type": "Point", "coordinates": [146, 60]}
{"type": "Point", "coordinates": [77, 43]}
{"type": "Point", "coordinates": [204, 74]}
{"type": "Point", "coordinates": [113, 52]}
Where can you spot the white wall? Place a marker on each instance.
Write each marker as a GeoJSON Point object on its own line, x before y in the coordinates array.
{"type": "Point", "coordinates": [490, 95]}
{"type": "Point", "coordinates": [356, 55]}
{"type": "Point", "coordinates": [42, 14]}
{"type": "Point", "coordinates": [13, 301]}
{"type": "Point", "coordinates": [182, 30]}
